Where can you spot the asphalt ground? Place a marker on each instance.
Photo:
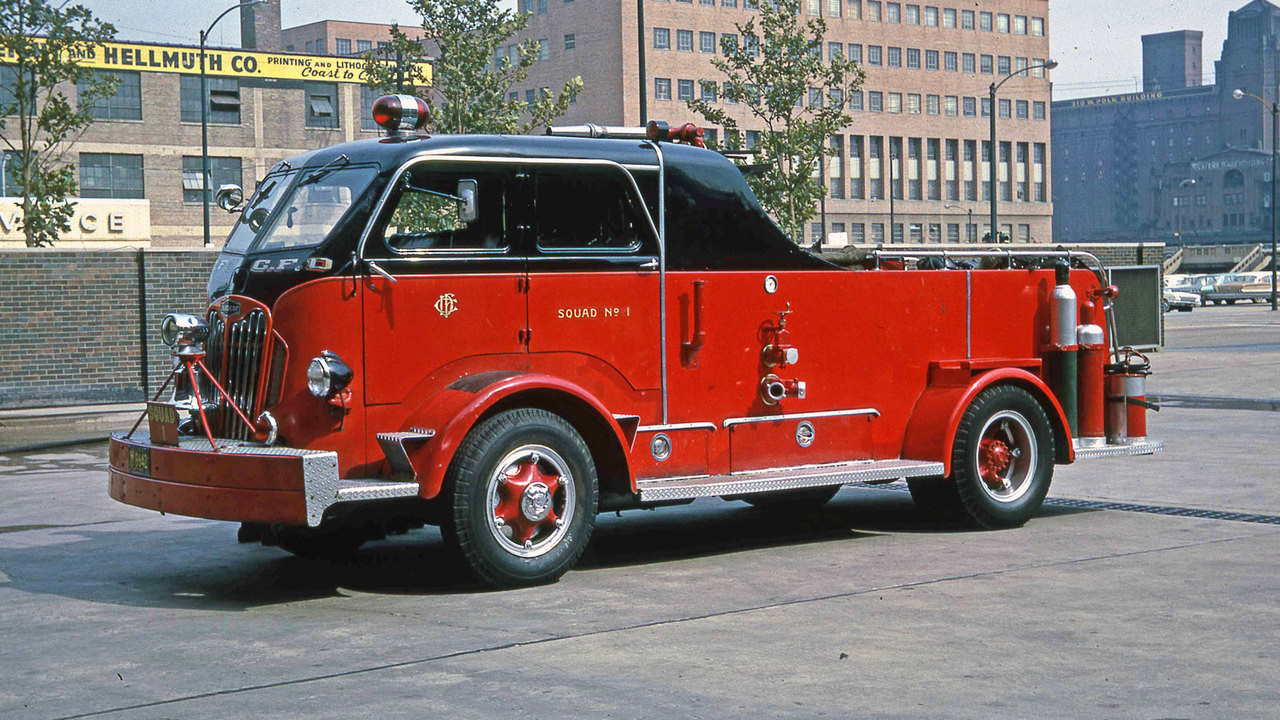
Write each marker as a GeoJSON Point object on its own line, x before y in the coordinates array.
{"type": "Point", "coordinates": [1164, 608]}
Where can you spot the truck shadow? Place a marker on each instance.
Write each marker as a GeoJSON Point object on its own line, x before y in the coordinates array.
{"type": "Point", "coordinates": [198, 565]}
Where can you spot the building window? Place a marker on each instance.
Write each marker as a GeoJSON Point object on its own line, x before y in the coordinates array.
{"type": "Point", "coordinates": [969, 61]}
{"type": "Point", "coordinates": [855, 9]}
{"type": "Point", "coordinates": [950, 62]}
{"type": "Point", "coordinates": [364, 46]}
{"type": "Point", "coordinates": [873, 55]}
{"type": "Point", "coordinates": [988, 64]}
{"type": "Point", "coordinates": [1038, 110]}
{"type": "Point", "coordinates": [322, 105]}
{"type": "Point", "coordinates": [875, 101]}
{"type": "Point", "coordinates": [948, 18]}
{"type": "Point", "coordinates": [894, 57]}
{"type": "Point", "coordinates": [1002, 23]}
{"type": "Point", "coordinates": [368, 96]}
{"type": "Point", "coordinates": [966, 19]}
{"type": "Point", "coordinates": [542, 7]}
{"type": "Point", "coordinates": [1003, 65]}
{"type": "Point", "coordinates": [895, 102]}
{"type": "Point", "coordinates": [661, 39]}
{"type": "Point", "coordinates": [1019, 64]}
{"type": "Point", "coordinates": [833, 8]}
{"type": "Point", "coordinates": [893, 12]}
{"type": "Point", "coordinates": [662, 88]}
{"type": "Point", "coordinates": [970, 107]}
{"type": "Point", "coordinates": [222, 171]}
{"type": "Point", "coordinates": [1037, 66]}
{"type": "Point", "coordinates": [753, 139]}
{"type": "Point", "coordinates": [544, 50]}
{"type": "Point", "coordinates": [570, 41]}
{"type": "Point", "coordinates": [913, 14]}
{"type": "Point", "coordinates": [707, 42]}
{"type": "Point", "coordinates": [126, 104]}
{"type": "Point", "coordinates": [708, 88]}
{"type": "Point", "coordinates": [951, 104]}
{"type": "Point", "coordinates": [342, 46]}
{"type": "Point", "coordinates": [933, 105]}
{"type": "Point", "coordinates": [873, 11]}
{"type": "Point", "coordinates": [913, 58]}
{"type": "Point", "coordinates": [855, 100]}
{"type": "Point", "coordinates": [913, 103]}
{"type": "Point", "coordinates": [1037, 26]}
{"type": "Point", "coordinates": [930, 59]}
{"type": "Point", "coordinates": [224, 100]}
{"type": "Point", "coordinates": [684, 40]}
{"type": "Point", "coordinates": [986, 107]}
{"type": "Point", "coordinates": [684, 89]}
{"type": "Point", "coordinates": [984, 22]}
{"type": "Point", "coordinates": [1022, 109]}
{"type": "Point", "coordinates": [111, 176]}
{"type": "Point", "coordinates": [855, 52]}
{"type": "Point", "coordinates": [1019, 24]}
{"type": "Point", "coordinates": [835, 51]}
{"type": "Point", "coordinates": [814, 7]}
{"type": "Point", "coordinates": [931, 17]}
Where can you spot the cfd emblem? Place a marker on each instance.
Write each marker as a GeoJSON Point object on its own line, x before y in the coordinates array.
{"type": "Point", "coordinates": [446, 305]}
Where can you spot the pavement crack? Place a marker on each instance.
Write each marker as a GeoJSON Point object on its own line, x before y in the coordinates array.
{"type": "Point", "coordinates": [651, 624]}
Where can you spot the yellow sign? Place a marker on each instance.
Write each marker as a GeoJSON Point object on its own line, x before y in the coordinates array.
{"type": "Point", "coordinates": [227, 63]}
{"type": "Point", "coordinates": [94, 219]}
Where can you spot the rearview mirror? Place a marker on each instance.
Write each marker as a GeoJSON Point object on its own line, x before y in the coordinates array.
{"type": "Point", "coordinates": [229, 197]}
{"type": "Point", "coordinates": [468, 207]}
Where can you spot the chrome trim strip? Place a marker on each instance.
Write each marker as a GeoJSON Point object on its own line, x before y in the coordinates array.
{"type": "Point", "coordinates": [678, 426]}
{"type": "Point", "coordinates": [662, 269]}
{"type": "Point", "coordinates": [800, 416]}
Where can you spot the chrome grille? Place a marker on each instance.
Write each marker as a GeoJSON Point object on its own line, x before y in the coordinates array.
{"type": "Point", "coordinates": [236, 354]}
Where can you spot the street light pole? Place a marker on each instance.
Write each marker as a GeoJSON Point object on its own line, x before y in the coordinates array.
{"type": "Point", "coordinates": [968, 227]}
{"type": "Point", "coordinates": [995, 152]}
{"type": "Point", "coordinates": [893, 163]}
{"type": "Point", "coordinates": [204, 112]}
{"type": "Point", "coordinates": [1239, 94]}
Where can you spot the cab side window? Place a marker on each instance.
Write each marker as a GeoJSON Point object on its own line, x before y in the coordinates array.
{"type": "Point", "coordinates": [428, 210]}
{"type": "Point", "coordinates": [587, 209]}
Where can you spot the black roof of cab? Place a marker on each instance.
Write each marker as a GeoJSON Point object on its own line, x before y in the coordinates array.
{"type": "Point", "coordinates": [714, 221]}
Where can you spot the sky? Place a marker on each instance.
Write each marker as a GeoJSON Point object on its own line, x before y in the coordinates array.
{"type": "Point", "coordinates": [1097, 43]}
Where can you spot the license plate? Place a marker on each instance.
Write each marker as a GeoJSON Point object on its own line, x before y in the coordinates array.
{"type": "Point", "coordinates": [162, 420]}
{"type": "Point", "coordinates": [140, 460]}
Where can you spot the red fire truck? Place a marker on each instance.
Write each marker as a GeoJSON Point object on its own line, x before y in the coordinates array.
{"type": "Point", "coordinates": [505, 336]}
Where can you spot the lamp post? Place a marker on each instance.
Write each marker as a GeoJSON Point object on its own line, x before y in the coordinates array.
{"type": "Point", "coordinates": [969, 224]}
{"type": "Point", "coordinates": [893, 163]}
{"type": "Point", "coordinates": [995, 153]}
{"type": "Point", "coordinates": [204, 112]}
{"type": "Point", "coordinates": [1239, 94]}
{"type": "Point", "coordinates": [1189, 182]}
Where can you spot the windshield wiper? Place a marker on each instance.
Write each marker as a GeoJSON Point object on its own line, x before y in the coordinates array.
{"type": "Point", "coordinates": [325, 169]}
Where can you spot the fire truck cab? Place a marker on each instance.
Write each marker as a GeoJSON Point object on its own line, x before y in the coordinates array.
{"type": "Point", "coordinates": [507, 335]}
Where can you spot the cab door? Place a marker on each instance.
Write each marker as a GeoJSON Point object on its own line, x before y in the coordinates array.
{"type": "Point", "coordinates": [594, 282]}
{"type": "Point", "coordinates": [443, 292]}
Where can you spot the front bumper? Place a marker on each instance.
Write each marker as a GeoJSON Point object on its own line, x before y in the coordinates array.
{"type": "Point", "coordinates": [241, 481]}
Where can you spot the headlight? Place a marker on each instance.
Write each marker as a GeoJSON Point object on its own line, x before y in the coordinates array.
{"type": "Point", "coordinates": [183, 332]}
{"type": "Point", "coordinates": [327, 375]}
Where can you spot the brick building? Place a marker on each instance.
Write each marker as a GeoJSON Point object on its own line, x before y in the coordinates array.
{"type": "Point", "coordinates": [921, 117]}
{"type": "Point", "coordinates": [139, 164]}
{"type": "Point", "coordinates": [1181, 162]}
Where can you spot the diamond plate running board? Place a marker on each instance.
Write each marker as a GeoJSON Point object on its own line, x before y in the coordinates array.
{"type": "Point", "coordinates": [747, 483]}
{"type": "Point", "coordinates": [1147, 447]}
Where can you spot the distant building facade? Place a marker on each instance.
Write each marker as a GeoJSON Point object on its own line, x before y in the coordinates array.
{"type": "Point", "coordinates": [139, 164]}
{"type": "Point", "coordinates": [921, 117]}
{"type": "Point", "coordinates": [1180, 162]}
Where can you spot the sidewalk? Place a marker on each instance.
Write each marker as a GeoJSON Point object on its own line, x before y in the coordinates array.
{"type": "Point", "coordinates": [38, 428]}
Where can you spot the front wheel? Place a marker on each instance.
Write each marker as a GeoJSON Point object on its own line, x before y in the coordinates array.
{"type": "Point", "coordinates": [1002, 460]}
{"type": "Point", "coordinates": [523, 495]}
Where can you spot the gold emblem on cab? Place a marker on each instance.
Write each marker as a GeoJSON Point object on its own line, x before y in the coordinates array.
{"type": "Point", "coordinates": [446, 305]}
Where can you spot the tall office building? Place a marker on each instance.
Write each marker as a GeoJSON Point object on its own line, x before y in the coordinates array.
{"type": "Point", "coordinates": [1181, 162]}
{"type": "Point", "coordinates": [921, 118]}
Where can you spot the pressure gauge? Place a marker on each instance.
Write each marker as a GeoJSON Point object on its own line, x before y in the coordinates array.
{"type": "Point", "coordinates": [771, 284]}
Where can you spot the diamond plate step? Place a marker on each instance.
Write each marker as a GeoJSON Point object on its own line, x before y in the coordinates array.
{"type": "Point", "coordinates": [357, 489]}
{"type": "Point", "coordinates": [747, 483]}
{"type": "Point", "coordinates": [1149, 447]}
{"type": "Point", "coordinates": [397, 445]}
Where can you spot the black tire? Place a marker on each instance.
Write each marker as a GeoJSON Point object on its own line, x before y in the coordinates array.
{"type": "Point", "coordinates": [1002, 460]}
{"type": "Point", "coordinates": [791, 501]}
{"type": "Point", "coordinates": [1164, 306]}
{"type": "Point", "coordinates": [514, 540]}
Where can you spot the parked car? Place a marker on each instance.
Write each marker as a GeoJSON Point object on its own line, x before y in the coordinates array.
{"type": "Point", "coordinates": [1182, 299]}
{"type": "Point", "coordinates": [1239, 287]}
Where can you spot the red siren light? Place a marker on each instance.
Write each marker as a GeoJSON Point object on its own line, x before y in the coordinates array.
{"type": "Point", "coordinates": [400, 112]}
{"type": "Point", "coordinates": [688, 133]}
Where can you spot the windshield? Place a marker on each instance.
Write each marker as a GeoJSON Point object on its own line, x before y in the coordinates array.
{"type": "Point", "coordinates": [314, 207]}
{"type": "Point", "coordinates": [269, 192]}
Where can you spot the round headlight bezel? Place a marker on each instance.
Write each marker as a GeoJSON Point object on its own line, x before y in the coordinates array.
{"type": "Point", "coordinates": [184, 332]}
{"type": "Point", "coordinates": [328, 374]}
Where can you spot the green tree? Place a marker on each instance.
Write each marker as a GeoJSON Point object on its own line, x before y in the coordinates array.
{"type": "Point", "coordinates": [470, 91]}
{"type": "Point", "coordinates": [776, 74]}
{"type": "Point", "coordinates": [39, 43]}
{"type": "Point", "coordinates": [397, 67]}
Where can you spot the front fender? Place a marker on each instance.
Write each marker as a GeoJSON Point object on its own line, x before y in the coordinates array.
{"type": "Point", "coordinates": [931, 431]}
{"type": "Point", "coordinates": [455, 409]}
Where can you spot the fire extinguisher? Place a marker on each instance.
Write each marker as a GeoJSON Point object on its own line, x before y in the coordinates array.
{"type": "Point", "coordinates": [1127, 398]}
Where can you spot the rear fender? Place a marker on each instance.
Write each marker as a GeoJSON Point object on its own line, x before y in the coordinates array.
{"type": "Point", "coordinates": [931, 432]}
{"type": "Point", "coordinates": [454, 410]}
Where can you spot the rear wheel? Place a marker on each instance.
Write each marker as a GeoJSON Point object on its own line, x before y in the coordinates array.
{"type": "Point", "coordinates": [1002, 460]}
{"type": "Point", "coordinates": [523, 498]}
